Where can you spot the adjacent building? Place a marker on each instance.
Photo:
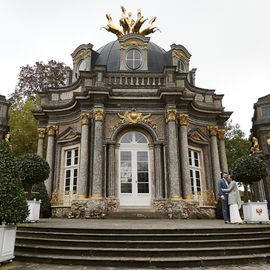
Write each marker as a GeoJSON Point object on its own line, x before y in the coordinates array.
{"type": "Point", "coordinates": [132, 130]}
{"type": "Point", "coordinates": [260, 135]}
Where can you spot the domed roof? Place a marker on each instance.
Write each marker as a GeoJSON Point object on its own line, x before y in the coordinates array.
{"type": "Point", "coordinates": [109, 55]}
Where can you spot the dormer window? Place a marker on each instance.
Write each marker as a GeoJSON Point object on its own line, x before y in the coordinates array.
{"type": "Point", "coordinates": [181, 66]}
{"type": "Point", "coordinates": [134, 59]}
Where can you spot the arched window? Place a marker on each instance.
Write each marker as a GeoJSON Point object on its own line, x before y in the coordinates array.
{"type": "Point", "coordinates": [133, 137]}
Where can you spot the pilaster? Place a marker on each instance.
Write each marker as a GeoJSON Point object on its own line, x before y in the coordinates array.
{"type": "Point", "coordinates": [213, 131]}
{"type": "Point", "coordinates": [50, 156]}
{"type": "Point", "coordinates": [186, 183]}
{"type": "Point", "coordinates": [173, 159]}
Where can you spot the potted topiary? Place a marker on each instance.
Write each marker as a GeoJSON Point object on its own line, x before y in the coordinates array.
{"type": "Point", "coordinates": [40, 193]}
{"type": "Point", "coordinates": [247, 170]}
{"type": "Point", "coordinates": [13, 206]}
{"type": "Point", "coordinates": [32, 169]}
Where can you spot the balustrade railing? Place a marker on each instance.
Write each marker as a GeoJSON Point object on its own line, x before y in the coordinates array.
{"type": "Point", "coordinates": [135, 80]}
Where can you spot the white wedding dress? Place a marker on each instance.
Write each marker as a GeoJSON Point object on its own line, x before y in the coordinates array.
{"type": "Point", "coordinates": [234, 214]}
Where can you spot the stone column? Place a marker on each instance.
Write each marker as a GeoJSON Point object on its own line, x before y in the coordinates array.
{"type": "Point", "coordinates": [186, 183]}
{"type": "Point", "coordinates": [50, 157]}
{"type": "Point", "coordinates": [213, 130]}
{"type": "Point", "coordinates": [84, 157]}
{"type": "Point", "coordinates": [173, 159]}
{"type": "Point", "coordinates": [98, 116]}
{"type": "Point", "coordinates": [158, 170]}
{"type": "Point", "coordinates": [222, 150]}
{"type": "Point", "coordinates": [111, 169]}
{"type": "Point", "coordinates": [41, 136]}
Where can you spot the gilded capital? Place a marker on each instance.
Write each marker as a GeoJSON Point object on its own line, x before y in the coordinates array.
{"type": "Point", "coordinates": [213, 130]}
{"type": "Point", "coordinates": [51, 130]}
{"type": "Point", "coordinates": [183, 119]}
{"type": "Point", "coordinates": [98, 114]}
{"type": "Point", "coordinates": [221, 134]}
{"type": "Point", "coordinates": [41, 133]}
{"type": "Point", "coordinates": [84, 118]}
{"type": "Point", "coordinates": [170, 115]}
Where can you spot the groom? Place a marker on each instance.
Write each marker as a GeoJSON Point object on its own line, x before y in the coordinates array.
{"type": "Point", "coordinates": [222, 183]}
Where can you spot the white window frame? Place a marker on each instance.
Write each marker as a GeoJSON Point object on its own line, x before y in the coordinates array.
{"type": "Point", "coordinates": [62, 184]}
{"type": "Point", "coordinates": [195, 168]}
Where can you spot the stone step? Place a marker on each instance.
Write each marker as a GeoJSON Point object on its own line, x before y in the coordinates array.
{"type": "Point", "coordinates": [139, 262]}
{"type": "Point", "coordinates": [143, 244]}
{"type": "Point", "coordinates": [145, 236]}
{"type": "Point", "coordinates": [222, 230]}
{"type": "Point", "coordinates": [142, 252]}
{"type": "Point", "coordinates": [135, 213]}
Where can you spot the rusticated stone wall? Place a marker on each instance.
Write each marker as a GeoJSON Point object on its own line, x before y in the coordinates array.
{"type": "Point", "coordinates": [184, 209]}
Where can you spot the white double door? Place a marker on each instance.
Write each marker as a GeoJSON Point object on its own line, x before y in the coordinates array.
{"type": "Point", "coordinates": [134, 177]}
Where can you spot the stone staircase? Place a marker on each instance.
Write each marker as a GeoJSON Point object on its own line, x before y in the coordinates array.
{"type": "Point", "coordinates": [135, 213]}
{"type": "Point", "coordinates": [145, 248]}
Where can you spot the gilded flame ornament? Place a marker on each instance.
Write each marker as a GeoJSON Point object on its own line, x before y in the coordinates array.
{"type": "Point", "coordinates": [128, 25]}
{"type": "Point", "coordinates": [134, 117]}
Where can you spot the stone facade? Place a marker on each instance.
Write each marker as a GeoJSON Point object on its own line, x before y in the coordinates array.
{"type": "Point", "coordinates": [260, 138]}
{"type": "Point", "coordinates": [132, 130]}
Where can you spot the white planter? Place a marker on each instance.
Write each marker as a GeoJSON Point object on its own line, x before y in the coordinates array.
{"type": "Point", "coordinates": [255, 212]}
{"type": "Point", "coordinates": [7, 242]}
{"type": "Point", "coordinates": [34, 209]}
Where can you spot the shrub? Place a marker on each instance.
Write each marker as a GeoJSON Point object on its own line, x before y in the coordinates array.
{"type": "Point", "coordinates": [249, 169]}
{"type": "Point", "coordinates": [13, 205]}
{"type": "Point", "coordinates": [32, 169]}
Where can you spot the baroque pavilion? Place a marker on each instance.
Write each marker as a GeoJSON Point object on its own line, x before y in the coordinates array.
{"type": "Point", "coordinates": [132, 130]}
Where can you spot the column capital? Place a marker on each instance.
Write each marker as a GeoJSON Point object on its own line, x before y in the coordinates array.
{"type": "Point", "coordinates": [170, 115]}
{"type": "Point", "coordinates": [41, 133]}
{"type": "Point", "coordinates": [51, 130]}
{"type": "Point", "coordinates": [98, 114]}
{"type": "Point", "coordinates": [84, 118]}
{"type": "Point", "coordinates": [221, 133]}
{"type": "Point", "coordinates": [213, 130]}
{"type": "Point", "coordinates": [183, 119]}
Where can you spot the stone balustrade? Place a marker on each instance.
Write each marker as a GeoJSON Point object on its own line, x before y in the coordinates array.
{"type": "Point", "coordinates": [135, 80]}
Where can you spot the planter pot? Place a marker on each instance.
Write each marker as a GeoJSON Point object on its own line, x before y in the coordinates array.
{"type": "Point", "coordinates": [255, 212]}
{"type": "Point", "coordinates": [34, 209]}
{"type": "Point", "coordinates": [7, 242]}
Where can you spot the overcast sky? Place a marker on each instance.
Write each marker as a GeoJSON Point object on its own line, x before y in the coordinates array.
{"type": "Point", "coordinates": [229, 40]}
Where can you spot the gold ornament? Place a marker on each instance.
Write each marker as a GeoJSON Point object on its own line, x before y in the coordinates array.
{"type": "Point", "coordinates": [84, 118]}
{"type": "Point", "coordinates": [128, 25]}
{"type": "Point", "coordinates": [81, 54]}
{"type": "Point", "coordinates": [98, 114]}
{"type": "Point", "coordinates": [170, 115]}
{"type": "Point", "coordinates": [41, 133]}
{"type": "Point", "coordinates": [134, 117]}
{"type": "Point", "coordinates": [51, 130]}
{"type": "Point", "coordinates": [213, 130]}
{"type": "Point", "coordinates": [183, 119]}
{"type": "Point", "coordinates": [221, 134]}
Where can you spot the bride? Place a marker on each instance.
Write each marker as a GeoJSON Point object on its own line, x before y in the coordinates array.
{"type": "Point", "coordinates": [234, 200]}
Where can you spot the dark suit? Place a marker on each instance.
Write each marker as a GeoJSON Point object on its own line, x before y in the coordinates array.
{"type": "Point", "coordinates": [224, 202]}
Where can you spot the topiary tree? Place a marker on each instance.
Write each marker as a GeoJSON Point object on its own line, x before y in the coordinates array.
{"type": "Point", "coordinates": [249, 169]}
{"type": "Point", "coordinates": [13, 205]}
{"type": "Point", "coordinates": [42, 194]}
{"type": "Point", "coordinates": [32, 169]}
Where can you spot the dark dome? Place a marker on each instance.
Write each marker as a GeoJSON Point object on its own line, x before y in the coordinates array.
{"type": "Point", "coordinates": [109, 55]}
